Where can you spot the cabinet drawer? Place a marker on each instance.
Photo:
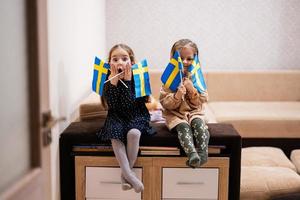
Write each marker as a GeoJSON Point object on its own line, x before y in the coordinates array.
{"type": "Point", "coordinates": [104, 183]}
{"type": "Point", "coordinates": [187, 183]}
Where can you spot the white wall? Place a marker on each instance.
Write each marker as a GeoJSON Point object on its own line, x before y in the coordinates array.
{"type": "Point", "coordinates": [231, 34]}
{"type": "Point", "coordinates": [76, 35]}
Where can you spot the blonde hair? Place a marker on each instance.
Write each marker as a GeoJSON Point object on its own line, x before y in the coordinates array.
{"type": "Point", "coordinates": [126, 48]}
{"type": "Point", "coordinates": [177, 46]}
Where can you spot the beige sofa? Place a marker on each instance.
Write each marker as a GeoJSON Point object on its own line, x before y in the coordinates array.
{"type": "Point", "coordinates": [263, 104]}
{"type": "Point", "coordinates": [258, 104]}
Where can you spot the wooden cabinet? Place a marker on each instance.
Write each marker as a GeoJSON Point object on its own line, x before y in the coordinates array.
{"type": "Point", "coordinates": [98, 177]}
{"type": "Point", "coordinates": [154, 170]}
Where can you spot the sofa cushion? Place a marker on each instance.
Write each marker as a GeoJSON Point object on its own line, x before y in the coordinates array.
{"type": "Point", "coordinates": [276, 85]}
{"type": "Point", "coordinates": [91, 108]}
{"type": "Point", "coordinates": [261, 183]}
{"type": "Point", "coordinates": [266, 157]}
{"type": "Point", "coordinates": [260, 119]}
{"type": "Point", "coordinates": [232, 110]}
{"type": "Point", "coordinates": [295, 158]}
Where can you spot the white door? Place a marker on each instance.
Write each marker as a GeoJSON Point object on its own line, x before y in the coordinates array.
{"type": "Point", "coordinates": [24, 151]}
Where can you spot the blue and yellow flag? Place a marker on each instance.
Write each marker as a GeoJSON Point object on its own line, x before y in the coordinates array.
{"type": "Point", "coordinates": [100, 74]}
{"type": "Point", "coordinates": [197, 76]}
{"type": "Point", "coordinates": [141, 79]}
{"type": "Point", "coordinates": [172, 75]}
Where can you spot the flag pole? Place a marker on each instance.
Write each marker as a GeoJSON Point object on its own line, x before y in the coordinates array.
{"type": "Point", "coordinates": [115, 77]}
{"type": "Point", "coordinates": [180, 72]}
{"type": "Point", "coordinates": [124, 83]}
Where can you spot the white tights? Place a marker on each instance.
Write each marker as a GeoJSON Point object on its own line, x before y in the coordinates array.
{"type": "Point", "coordinates": [127, 160]}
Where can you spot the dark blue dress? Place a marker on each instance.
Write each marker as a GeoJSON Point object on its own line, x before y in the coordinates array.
{"type": "Point", "coordinates": [125, 112]}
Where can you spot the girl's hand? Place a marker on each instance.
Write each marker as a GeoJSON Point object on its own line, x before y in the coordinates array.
{"type": "Point", "coordinates": [128, 72]}
{"type": "Point", "coordinates": [181, 91]}
{"type": "Point", "coordinates": [188, 85]}
{"type": "Point", "coordinates": [113, 72]}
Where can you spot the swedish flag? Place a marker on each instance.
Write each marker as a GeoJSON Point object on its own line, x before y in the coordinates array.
{"type": "Point", "coordinates": [141, 79]}
{"type": "Point", "coordinates": [197, 75]}
{"type": "Point", "coordinates": [100, 74]}
{"type": "Point", "coordinates": [172, 75]}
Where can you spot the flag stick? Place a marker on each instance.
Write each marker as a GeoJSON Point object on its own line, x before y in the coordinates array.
{"type": "Point", "coordinates": [115, 77]}
{"type": "Point", "coordinates": [124, 84]}
{"type": "Point", "coordinates": [180, 72]}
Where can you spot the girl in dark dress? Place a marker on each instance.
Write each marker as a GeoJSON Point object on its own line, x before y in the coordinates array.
{"type": "Point", "coordinates": [127, 116]}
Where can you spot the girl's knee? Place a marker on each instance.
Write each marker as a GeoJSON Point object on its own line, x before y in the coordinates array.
{"type": "Point", "coordinates": [133, 134]}
{"type": "Point", "coordinates": [197, 121]}
{"type": "Point", "coordinates": [183, 127]}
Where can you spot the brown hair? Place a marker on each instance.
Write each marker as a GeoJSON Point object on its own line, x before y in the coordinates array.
{"type": "Point", "coordinates": [126, 48]}
{"type": "Point", "coordinates": [177, 46]}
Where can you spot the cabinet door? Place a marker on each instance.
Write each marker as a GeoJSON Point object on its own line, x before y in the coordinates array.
{"type": "Point", "coordinates": [104, 183]}
{"type": "Point", "coordinates": [182, 183]}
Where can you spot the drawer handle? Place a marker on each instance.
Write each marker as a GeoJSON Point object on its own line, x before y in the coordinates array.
{"type": "Point", "coordinates": [189, 183]}
{"type": "Point", "coordinates": [110, 182]}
